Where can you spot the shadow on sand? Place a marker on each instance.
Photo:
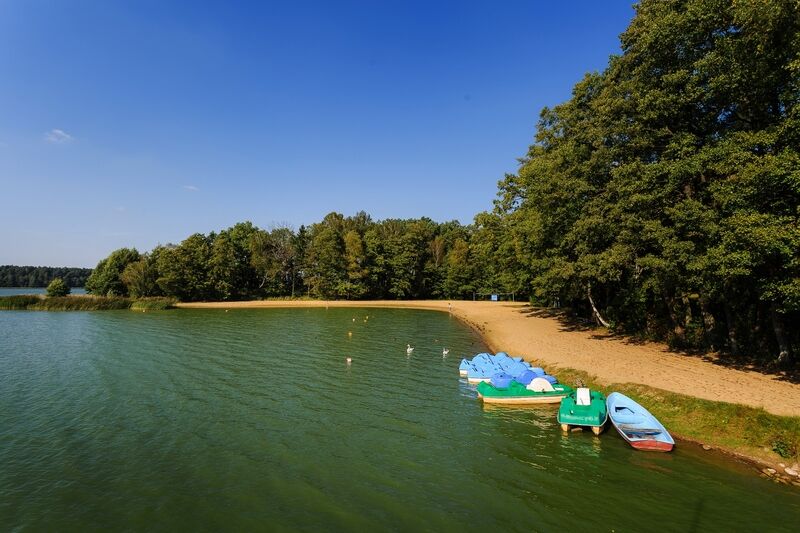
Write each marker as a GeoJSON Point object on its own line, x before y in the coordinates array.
{"type": "Point", "coordinates": [569, 322]}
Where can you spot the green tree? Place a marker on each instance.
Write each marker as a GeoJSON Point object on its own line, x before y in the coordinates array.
{"type": "Point", "coordinates": [57, 287]}
{"type": "Point", "coordinates": [184, 269]}
{"type": "Point", "coordinates": [325, 263]}
{"type": "Point", "coordinates": [106, 278]}
{"type": "Point", "coordinates": [274, 256]}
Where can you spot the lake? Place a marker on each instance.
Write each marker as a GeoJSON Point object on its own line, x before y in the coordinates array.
{"type": "Point", "coordinates": [13, 291]}
{"type": "Point", "coordinates": [190, 420]}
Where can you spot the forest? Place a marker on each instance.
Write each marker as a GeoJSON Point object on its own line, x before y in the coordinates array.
{"type": "Point", "coordinates": [339, 257]}
{"type": "Point", "coordinates": [662, 199]}
{"type": "Point", "coordinates": [39, 276]}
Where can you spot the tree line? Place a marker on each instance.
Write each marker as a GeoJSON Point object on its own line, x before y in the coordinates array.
{"type": "Point", "coordinates": [662, 199]}
{"type": "Point", "coordinates": [340, 257]}
{"type": "Point", "coordinates": [38, 276]}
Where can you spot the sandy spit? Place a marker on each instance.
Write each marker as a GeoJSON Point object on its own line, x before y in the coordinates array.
{"type": "Point", "coordinates": [514, 328]}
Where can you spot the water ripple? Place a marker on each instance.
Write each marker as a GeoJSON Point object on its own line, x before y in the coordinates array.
{"type": "Point", "coordinates": [207, 420]}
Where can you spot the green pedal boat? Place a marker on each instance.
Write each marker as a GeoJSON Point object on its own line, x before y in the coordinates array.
{"type": "Point", "coordinates": [583, 408]}
{"type": "Point", "coordinates": [538, 391]}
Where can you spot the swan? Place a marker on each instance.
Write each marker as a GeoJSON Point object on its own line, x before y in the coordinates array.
{"type": "Point", "coordinates": [409, 349]}
{"type": "Point", "coordinates": [349, 360]}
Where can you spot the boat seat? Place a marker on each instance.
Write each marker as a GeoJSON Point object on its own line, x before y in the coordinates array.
{"type": "Point", "coordinates": [629, 419]}
{"type": "Point", "coordinates": [540, 385]}
{"type": "Point", "coordinates": [583, 396]}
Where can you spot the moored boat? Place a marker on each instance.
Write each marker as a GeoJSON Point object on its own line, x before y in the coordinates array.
{"type": "Point", "coordinates": [636, 425]}
{"type": "Point", "coordinates": [538, 391]}
{"type": "Point", "coordinates": [583, 408]}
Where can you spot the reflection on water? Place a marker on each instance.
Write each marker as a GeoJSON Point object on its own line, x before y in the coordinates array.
{"type": "Point", "coordinates": [252, 419]}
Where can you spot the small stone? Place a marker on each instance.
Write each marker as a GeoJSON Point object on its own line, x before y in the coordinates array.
{"type": "Point", "coordinates": [706, 447]}
{"type": "Point", "coordinates": [792, 472]}
{"type": "Point", "coordinates": [769, 471]}
{"type": "Point", "coordinates": [796, 483]}
{"type": "Point", "coordinates": [574, 430]}
{"type": "Point", "coordinates": [781, 465]}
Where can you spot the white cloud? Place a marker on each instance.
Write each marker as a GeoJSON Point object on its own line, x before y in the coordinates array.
{"type": "Point", "coordinates": [56, 136]}
{"type": "Point", "coordinates": [190, 188]}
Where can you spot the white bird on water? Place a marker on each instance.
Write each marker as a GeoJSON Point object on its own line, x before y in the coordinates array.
{"type": "Point", "coordinates": [349, 360]}
{"type": "Point", "coordinates": [445, 351]}
{"type": "Point", "coordinates": [409, 349]}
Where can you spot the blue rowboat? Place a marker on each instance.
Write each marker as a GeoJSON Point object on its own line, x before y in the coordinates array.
{"type": "Point", "coordinates": [636, 425]}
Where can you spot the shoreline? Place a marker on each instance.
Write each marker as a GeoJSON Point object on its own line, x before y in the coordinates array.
{"type": "Point", "coordinates": [515, 328]}
{"type": "Point", "coordinates": [605, 361]}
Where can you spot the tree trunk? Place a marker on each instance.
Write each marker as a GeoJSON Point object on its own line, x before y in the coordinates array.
{"type": "Point", "coordinates": [709, 324]}
{"type": "Point", "coordinates": [687, 314]}
{"type": "Point", "coordinates": [780, 334]}
{"type": "Point", "coordinates": [595, 312]}
{"type": "Point", "coordinates": [732, 341]}
{"type": "Point", "coordinates": [677, 327]}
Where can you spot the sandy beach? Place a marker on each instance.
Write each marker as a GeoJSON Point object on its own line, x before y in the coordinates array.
{"type": "Point", "coordinates": [514, 328]}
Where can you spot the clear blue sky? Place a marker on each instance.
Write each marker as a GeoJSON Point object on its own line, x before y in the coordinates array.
{"type": "Point", "coordinates": [138, 123]}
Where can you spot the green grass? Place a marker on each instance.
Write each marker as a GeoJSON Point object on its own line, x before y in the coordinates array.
{"type": "Point", "coordinates": [153, 304]}
{"type": "Point", "coordinates": [738, 428]}
{"type": "Point", "coordinates": [22, 301]}
{"type": "Point", "coordinates": [83, 303]}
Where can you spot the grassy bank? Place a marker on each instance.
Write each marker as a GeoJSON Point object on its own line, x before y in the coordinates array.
{"type": "Point", "coordinates": [738, 429]}
{"type": "Point", "coordinates": [82, 303]}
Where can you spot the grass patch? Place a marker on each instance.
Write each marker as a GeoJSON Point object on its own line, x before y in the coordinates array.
{"type": "Point", "coordinates": [22, 301]}
{"type": "Point", "coordinates": [153, 304]}
{"type": "Point", "coordinates": [81, 303]}
{"type": "Point", "coordinates": [739, 428]}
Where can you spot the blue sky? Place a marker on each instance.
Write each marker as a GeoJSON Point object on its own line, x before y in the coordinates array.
{"type": "Point", "coordinates": [138, 123]}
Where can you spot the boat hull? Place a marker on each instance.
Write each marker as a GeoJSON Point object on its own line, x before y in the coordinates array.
{"type": "Point", "coordinates": [521, 400]}
{"type": "Point", "coordinates": [650, 445]}
{"type": "Point", "coordinates": [594, 415]}
{"type": "Point", "coordinates": [517, 394]}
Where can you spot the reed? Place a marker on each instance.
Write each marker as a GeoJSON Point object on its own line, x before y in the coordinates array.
{"type": "Point", "coordinates": [22, 301]}
{"type": "Point", "coordinates": [81, 303]}
{"type": "Point", "coordinates": [153, 304]}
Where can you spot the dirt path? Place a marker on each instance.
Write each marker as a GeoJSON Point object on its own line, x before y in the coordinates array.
{"type": "Point", "coordinates": [514, 329]}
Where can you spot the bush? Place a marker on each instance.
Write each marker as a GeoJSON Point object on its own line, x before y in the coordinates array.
{"type": "Point", "coordinates": [57, 288]}
{"type": "Point", "coordinates": [153, 304]}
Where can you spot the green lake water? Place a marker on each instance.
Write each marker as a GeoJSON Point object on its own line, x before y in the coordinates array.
{"type": "Point", "coordinates": [195, 420]}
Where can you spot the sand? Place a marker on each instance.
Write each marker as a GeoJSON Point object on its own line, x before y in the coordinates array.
{"type": "Point", "coordinates": [514, 328]}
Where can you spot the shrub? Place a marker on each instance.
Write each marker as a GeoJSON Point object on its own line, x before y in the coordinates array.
{"type": "Point", "coordinates": [57, 287]}
{"type": "Point", "coordinates": [153, 304]}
